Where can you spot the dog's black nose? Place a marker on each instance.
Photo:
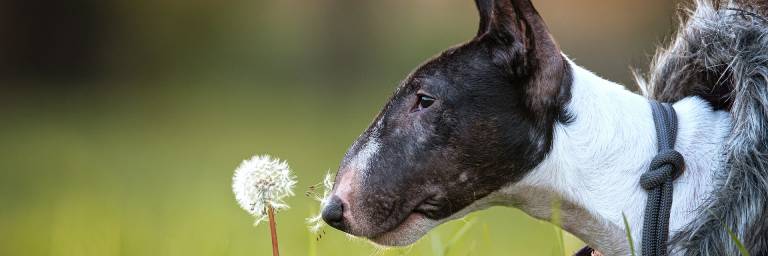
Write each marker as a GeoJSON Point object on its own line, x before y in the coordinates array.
{"type": "Point", "coordinates": [333, 214]}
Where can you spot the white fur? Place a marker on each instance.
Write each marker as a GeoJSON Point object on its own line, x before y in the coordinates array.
{"type": "Point", "coordinates": [595, 166]}
{"type": "Point", "coordinates": [360, 168]}
{"type": "Point", "coordinates": [596, 162]}
{"type": "Point", "coordinates": [360, 165]}
{"type": "Point", "coordinates": [363, 158]}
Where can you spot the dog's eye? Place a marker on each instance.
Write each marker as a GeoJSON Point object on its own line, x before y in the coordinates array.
{"type": "Point", "coordinates": [425, 101]}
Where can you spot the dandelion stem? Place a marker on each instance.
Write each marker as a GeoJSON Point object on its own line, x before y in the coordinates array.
{"type": "Point", "coordinates": [273, 230]}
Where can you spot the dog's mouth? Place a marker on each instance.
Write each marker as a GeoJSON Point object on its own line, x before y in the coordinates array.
{"type": "Point", "coordinates": [416, 224]}
{"type": "Point", "coordinates": [429, 207]}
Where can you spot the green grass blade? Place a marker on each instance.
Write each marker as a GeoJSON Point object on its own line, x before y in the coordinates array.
{"type": "Point", "coordinates": [557, 221]}
{"type": "Point", "coordinates": [629, 235]}
{"type": "Point", "coordinates": [736, 240]}
{"type": "Point", "coordinates": [437, 244]}
{"type": "Point", "coordinates": [458, 235]}
{"type": "Point", "coordinates": [733, 236]}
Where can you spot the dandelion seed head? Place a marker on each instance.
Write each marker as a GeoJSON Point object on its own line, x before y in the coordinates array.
{"type": "Point", "coordinates": [316, 222]}
{"type": "Point", "coordinates": [260, 182]}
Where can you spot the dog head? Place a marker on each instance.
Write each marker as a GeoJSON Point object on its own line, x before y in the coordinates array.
{"type": "Point", "coordinates": [463, 125]}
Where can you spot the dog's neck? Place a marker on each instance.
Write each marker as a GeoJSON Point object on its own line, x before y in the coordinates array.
{"type": "Point", "coordinates": [594, 168]}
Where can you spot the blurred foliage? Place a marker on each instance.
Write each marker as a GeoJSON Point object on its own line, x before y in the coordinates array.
{"type": "Point", "coordinates": [131, 152]}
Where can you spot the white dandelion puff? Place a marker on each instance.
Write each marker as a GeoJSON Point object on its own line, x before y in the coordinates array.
{"type": "Point", "coordinates": [316, 222]}
{"type": "Point", "coordinates": [262, 182]}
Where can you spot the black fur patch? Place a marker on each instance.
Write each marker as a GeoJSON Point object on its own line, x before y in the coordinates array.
{"type": "Point", "coordinates": [498, 98]}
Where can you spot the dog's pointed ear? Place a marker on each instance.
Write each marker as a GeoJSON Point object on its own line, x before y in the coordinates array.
{"type": "Point", "coordinates": [519, 40]}
{"type": "Point", "coordinates": [485, 9]}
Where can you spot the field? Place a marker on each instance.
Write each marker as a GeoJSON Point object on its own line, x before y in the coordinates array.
{"type": "Point", "coordinates": [152, 177]}
{"type": "Point", "coordinates": [138, 159]}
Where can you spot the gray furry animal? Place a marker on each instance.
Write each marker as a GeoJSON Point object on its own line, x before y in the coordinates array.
{"type": "Point", "coordinates": [507, 119]}
{"type": "Point", "coordinates": [720, 53]}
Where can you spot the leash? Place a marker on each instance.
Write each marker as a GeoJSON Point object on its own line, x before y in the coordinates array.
{"type": "Point", "coordinates": [665, 167]}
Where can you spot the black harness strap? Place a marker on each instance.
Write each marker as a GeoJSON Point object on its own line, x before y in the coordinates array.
{"type": "Point", "coordinates": [664, 169]}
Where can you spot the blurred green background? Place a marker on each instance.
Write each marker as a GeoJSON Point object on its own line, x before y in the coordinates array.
{"type": "Point", "coordinates": [121, 121]}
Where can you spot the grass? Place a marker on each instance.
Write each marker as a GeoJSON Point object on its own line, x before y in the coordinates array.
{"type": "Point", "coordinates": [629, 235]}
{"type": "Point", "coordinates": [468, 224]}
{"type": "Point", "coordinates": [742, 250]}
{"type": "Point", "coordinates": [737, 241]}
{"type": "Point", "coordinates": [559, 248]}
{"type": "Point", "coordinates": [438, 248]}
{"type": "Point", "coordinates": [149, 174]}
{"type": "Point", "coordinates": [140, 172]}
{"type": "Point", "coordinates": [734, 238]}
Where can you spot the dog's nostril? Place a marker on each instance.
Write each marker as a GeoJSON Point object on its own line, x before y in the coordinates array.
{"type": "Point", "coordinates": [333, 214]}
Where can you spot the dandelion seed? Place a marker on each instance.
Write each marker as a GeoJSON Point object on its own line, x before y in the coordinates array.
{"type": "Point", "coordinates": [316, 222]}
